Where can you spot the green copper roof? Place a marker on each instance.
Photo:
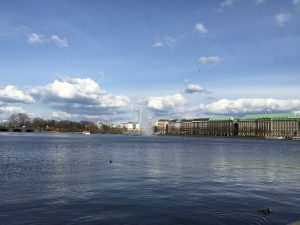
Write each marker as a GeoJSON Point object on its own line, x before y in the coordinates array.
{"type": "Point", "coordinates": [221, 118]}
{"type": "Point", "coordinates": [272, 116]}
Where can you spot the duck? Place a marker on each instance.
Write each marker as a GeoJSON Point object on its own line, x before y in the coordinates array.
{"type": "Point", "coordinates": [265, 211]}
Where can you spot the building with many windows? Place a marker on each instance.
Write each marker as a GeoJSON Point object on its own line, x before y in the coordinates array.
{"type": "Point", "coordinates": [174, 127]}
{"type": "Point", "coordinates": [283, 125]}
{"type": "Point", "coordinates": [222, 126]}
{"type": "Point", "coordinates": [186, 127]}
{"type": "Point", "coordinates": [162, 126]}
{"type": "Point", "coordinates": [200, 126]}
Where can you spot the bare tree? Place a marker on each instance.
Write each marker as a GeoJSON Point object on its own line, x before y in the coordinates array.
{"type": "Point", "coordinates": [18, 120]}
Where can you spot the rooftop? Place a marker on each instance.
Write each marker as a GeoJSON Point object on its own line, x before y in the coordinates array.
{"type": "Point", "coordinates": [278, 116]}
{"type": "Point", "coordinates": [200, 119]}
{"type": "Point", "coordinates": [221, 118]}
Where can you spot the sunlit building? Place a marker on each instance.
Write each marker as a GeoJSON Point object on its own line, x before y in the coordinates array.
{"type": "Point", "coordinates": [200, 126]}
{"type": "Point", "coordinates": [222, 126]}
{"type": "Point", "coordinates": [186, 127]}
{"type": "Point", "coordinates": [131, 127]}
{"type": "Point", "coordinates": [162, 126]}
{"type": "Point", "coordinates": [285, 125]}
{"type": "Point", "coordinates": [174, 127]}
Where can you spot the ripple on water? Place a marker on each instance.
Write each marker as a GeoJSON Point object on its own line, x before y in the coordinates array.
{"type": "Point", "coordinates": [67, 179]}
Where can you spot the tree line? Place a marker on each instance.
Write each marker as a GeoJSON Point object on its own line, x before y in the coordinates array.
{"type": "Point", "coordinates": [21, 122]}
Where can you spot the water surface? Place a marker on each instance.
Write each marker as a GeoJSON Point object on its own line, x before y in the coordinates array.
{"type": "Point", "coordinates": [68, 179]}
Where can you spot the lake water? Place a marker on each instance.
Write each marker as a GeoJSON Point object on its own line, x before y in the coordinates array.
{"type": "Point", "coordinates": [68, 179]}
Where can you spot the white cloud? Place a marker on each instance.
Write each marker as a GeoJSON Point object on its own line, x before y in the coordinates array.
{"type": "Point", "coordinates": [200, 28]}
{"type": "Point", "coordinates": [226, 3]}
{"type": "Point", "coordinates": [60, 42]}
{"type": "Point", "coordinates": [61, 114]}
{"type": "Point", "coordinates": [194, 88]}
{"type": "Point", "coordinates": [167, 41]}
{"type": "Point", "coordinates": [13, 94]}
{"type": "Point", "coordinates": [211, 60]}
{"type": "Point", "coordinates": [282, 18]}
{"type": "Point", "coordinates": [35, 39]}
{"type": "Point", "coordinates": [296, 2]}
{"type": "Point", "coordinates": [11, 109]}
{"type": "Point", "coordinates": [104, 118]}
{"type": "Point", "coordinates": [79, 96]}
{"type": "Point", "coordinates": [158, 44]}
{"type": "Point", "coordinates": [170, 41]}
{"type": "Point", "coordinates": [259, 2]}
{"type": "Point", "coordinates": [250, 105]}
{"type": "Point", "coordinates": [165, 103]}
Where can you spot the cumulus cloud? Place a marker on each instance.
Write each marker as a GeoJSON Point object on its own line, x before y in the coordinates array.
{"type": "Point", "coordinates": [7, 110]}
{"type": "Point", "coordinates": [79, 96]}
{"type": "Point", "coordinates": [250, 105]}
{"type": "Point", "coordinates": [61, 114]}
{"type": "Point", "coordinates": [13, 94]}
{"type": "Point", "coordinates": [71, 116]}
{"type": "Point", "coordinates": [211, 60]}
{"type": "Point", "coordinates": [194, 88]}
{"type": "Point", "coordinates": [200, 28]}
{"type": "Point", "coordinates": [165, 103]}
{"type": "Point", "coordinates": [35, 39]}
{"type": "Point", "coordinates": [60, 42]}
{"type": "Point", "coordinates": [282, 18]}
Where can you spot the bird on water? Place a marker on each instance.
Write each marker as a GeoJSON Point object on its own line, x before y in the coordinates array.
{"type": "Point", "coordinates": [265, 211]}
{"type": "Point", "coordinates": [110, 161]}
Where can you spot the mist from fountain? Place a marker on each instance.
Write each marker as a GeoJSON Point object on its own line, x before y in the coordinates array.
{"type": "Point", "coordinates": [145, 118]}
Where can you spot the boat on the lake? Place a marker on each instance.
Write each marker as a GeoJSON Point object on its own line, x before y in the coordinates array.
{"type": "Point", "coordinates": [274, 137]}
{"type": "Point", "coordinates": [86, 132]}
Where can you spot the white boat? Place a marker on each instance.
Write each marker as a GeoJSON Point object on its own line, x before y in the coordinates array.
{"type": "Point", "coordinates": [296, 138]}
{"type": "Point", "coordinates": [86, 132]}
{"type": "Point", "coordinates": [274, 137]}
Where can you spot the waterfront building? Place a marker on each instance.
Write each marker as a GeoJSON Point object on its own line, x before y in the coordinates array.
{"type": "Point", "coordinates": [162, 126]}
{"type": "Point", "coordinates": [131, 127]}
{"type": "Point", "coordinates": [286, 128]}
{"type": "Point", "coordinates": [284, 125]}
{"type": "Point", "coordinates": [200, 126]}
{"type": "Point", "coordinates": [247, 128]}
{"type": "Point", "coordinates": [222, 126]}
{"type": "Point", "coordinates": [174, 127]}
{"type": "Point", "coordinates": [186, 127]}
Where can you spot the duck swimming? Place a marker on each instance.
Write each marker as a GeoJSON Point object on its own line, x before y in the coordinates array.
{"type": "Point", "coordinates": [265, 211]}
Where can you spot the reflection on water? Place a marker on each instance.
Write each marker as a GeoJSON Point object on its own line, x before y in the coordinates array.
{"type": "Point", "coordinates": [67, 179]}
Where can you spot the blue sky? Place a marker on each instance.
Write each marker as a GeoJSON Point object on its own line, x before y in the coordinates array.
{"type": "Point", "coordinates": [204, 57]}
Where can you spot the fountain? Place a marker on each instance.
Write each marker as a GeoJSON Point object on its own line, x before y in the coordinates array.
{"type": "Point", "coordinates": [145, 118]}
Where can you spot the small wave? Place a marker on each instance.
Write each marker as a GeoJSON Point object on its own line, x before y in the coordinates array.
{"type": "Point", "coordinates": [250, 217]}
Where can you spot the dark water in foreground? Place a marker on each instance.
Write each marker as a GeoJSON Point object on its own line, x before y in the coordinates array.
{"type": "Point", "coordinates": [67, 179]}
